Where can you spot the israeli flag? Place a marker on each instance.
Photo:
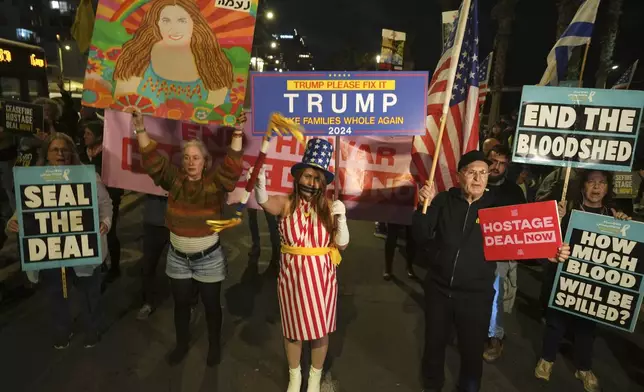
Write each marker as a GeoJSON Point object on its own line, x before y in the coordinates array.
{"type": "Point", "coordinates": [578, 33]}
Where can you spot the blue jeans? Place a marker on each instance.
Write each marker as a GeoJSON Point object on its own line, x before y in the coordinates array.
{"type": "Point", "coordinates": [211, 268]}
{"type": "Point", "coordinates": [496, 319]}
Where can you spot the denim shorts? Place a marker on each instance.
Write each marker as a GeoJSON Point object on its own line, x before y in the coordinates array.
{"type": "Point", "coordinates": [211, 268]}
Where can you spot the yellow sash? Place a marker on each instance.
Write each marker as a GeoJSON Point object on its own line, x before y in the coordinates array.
{"type": "Point", "coordinates": [336, 258]}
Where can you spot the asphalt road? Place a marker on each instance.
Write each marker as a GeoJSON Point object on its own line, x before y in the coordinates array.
{"type": "Point", "coordinates": [377, 346]}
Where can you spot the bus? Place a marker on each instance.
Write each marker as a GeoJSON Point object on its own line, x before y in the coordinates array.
{"type": "Point", "coordinates": [23, 71]}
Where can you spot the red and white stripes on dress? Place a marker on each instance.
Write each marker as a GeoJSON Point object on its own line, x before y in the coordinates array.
{"type": "Point", "coordinates": [307, 285]}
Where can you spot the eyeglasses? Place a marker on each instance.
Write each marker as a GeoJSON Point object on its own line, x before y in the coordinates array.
{"type": "Point", "coordinates": [473, 173]}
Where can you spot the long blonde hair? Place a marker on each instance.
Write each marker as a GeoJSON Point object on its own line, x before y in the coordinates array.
{"type": "Point", "coordinates": [215, 70]}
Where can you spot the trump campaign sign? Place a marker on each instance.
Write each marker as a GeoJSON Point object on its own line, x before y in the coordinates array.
{"type": "Point", "coordinates": [524, 231]}
{"type": "Point", "coordinates": [343, 103]}
{"type": "Point", "coordinates": [578, 127]}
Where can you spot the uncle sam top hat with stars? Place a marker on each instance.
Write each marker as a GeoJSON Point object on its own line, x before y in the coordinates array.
{"type": "Point", "coordinates": [317, 155]}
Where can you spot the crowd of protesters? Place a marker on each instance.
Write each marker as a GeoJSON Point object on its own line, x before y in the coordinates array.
{"type": "Point", "coordinates": [463, 292]}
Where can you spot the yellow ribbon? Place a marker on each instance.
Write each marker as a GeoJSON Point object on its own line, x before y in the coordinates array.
{"type": "Point", "coordinates": [336, 258]}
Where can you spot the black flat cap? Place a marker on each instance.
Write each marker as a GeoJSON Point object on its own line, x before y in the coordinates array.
{"type": "Point", "coordinates": [470, 157]}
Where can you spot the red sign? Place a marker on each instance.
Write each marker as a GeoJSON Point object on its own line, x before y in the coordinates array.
{"type": "Point", "coordinates": [523, 231]}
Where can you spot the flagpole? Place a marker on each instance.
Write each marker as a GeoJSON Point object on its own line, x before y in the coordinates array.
{"type": "Point", "coordinates": [456, 54]}
{"type": "Point", "coordinates": [564, 192]}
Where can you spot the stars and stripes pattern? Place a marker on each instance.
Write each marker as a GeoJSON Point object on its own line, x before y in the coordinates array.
{"type": "Point", "coordinates": [307, 286]}
{"type": "Point", "coordinates": [578, 33]}
{"type": "Point", "coordinates": [318, 153]}
{"type": "Point", "coordinates": [462, 123]}
{"type": "Point", "coordinates": [624, 81]}
{"type": "Point", "coordinates": [485, 68]}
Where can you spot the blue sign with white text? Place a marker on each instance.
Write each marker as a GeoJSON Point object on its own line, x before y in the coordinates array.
{"type": "Point", "coordinates": [578, 127]}
{"type": "Point", "coordinates": [356, 103]}
{"type": "Point", "coordinates": [57, 213]}
{"type": "Point", "coordinates": [603, 280]}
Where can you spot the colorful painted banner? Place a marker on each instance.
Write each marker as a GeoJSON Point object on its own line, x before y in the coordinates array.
{"type": "Point", "coordinates": [178, 59]}
{"type": "Point", "coordinates": [626, 185]}
{"type": "Point", "coordinates": [21, 118]}
{"type": "Point", "coordinates": [57, 213]}
{"type": "Point", "coordinates": [603, 279]}
{"type": "Point", "coordinates": [345, 103]}
{"type": "Point", "coordinates": [578, 127]}
{"type": "Point", "coordinates": [375, 176]}
{"type": "Point", "coordinates": [519, 232]}
{"type": "Point", "coordinates": [392, 50]}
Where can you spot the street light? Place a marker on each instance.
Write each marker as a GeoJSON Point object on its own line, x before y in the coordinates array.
{"type": "Point", "coordinates": [67, 47]}
{"type": "Point", "coordinates": [277, 61]}
{"type": "Point", "coordinates": [378, 59]}
{"type": "Point", "coordinates": [273, 44]}
{"type": "Point", "coordinates": [270, 15]}
{"type": "Point", "coordinates": [614, 67]}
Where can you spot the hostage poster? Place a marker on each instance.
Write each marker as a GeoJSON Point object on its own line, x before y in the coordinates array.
{"type": "Point", "coordinates": [602, 279]}
{"type": "Point", "coordinates": [578, 127]}
{"type": "Point", "coordinates": [374, 176]}
{"type": "Point", "coordinates": [177, 59]}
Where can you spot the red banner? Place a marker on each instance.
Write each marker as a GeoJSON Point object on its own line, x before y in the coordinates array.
{"type": "Point", "coordinates": [519, 232]}
{"type": "Point", "coordinates": [374, 176]}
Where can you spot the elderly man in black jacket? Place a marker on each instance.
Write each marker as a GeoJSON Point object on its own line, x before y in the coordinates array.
{"type": "Point", "coordinates": [459, 284]}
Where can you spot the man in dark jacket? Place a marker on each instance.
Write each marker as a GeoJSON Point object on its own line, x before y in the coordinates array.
{"type": "Point", "coordinates": [459, 284]}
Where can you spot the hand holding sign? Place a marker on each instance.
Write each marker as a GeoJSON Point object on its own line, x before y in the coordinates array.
{"type": "Point", "coordinates": [563, 253]}
{"type": "Point", "coordinates": [619, 215]}
{"type": "Point", "coordinates": [13, 226]}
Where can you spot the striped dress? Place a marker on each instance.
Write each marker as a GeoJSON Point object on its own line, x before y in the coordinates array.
{"type": "Point", "coordinates": [307, 285]}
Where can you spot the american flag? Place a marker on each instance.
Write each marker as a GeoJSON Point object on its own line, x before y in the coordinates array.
{"type": "Point", "coordinates": [484, 78]}
{"type": "Point", "coordinates": [462, 123]}
{"type": "Point", "coordinates": [624, 81]}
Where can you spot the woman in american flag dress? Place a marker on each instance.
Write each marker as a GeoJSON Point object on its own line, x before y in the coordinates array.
{"type": "Point", "coordinates": [313, 230]}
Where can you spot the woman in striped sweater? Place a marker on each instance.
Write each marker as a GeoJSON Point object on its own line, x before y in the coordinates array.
{"type": "Point", "coordinates": [196, 193]}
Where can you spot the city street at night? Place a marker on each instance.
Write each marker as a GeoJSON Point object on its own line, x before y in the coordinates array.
{"type": "Point", "coordinates": [377, 346]}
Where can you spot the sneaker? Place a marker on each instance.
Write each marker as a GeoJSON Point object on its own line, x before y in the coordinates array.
{"type": "Point", "coordinates": [91, 340]}
{"type": "Point", "coordinates": [591, 383]}
{"type": "Point", "coordinates": [494, 350]}
{"type": "Point", "coordinates": [381, 230]}
{"type": "Point", "coordinates": [145, 312]}
{"type": "Point", "coordinates": [543, 369]}
{"type": "Point", "coordinates": [63, 343]}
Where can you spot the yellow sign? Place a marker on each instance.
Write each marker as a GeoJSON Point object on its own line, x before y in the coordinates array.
{"type": "Point", "coordinates": [5, 56]}
{"type": "Point", "coordinates": [36, 62]}
{"type": "Point", "coordinates": [308, 85]}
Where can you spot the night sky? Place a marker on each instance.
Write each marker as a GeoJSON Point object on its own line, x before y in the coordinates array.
{"type": "Point", "coordinates": [333, 25]}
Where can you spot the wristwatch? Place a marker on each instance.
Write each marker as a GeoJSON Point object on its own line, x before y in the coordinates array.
{"type": "Point", "coordinates": [137, 131]}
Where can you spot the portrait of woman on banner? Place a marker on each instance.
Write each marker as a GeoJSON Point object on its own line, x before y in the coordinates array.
{"type": "Point", "coordinates": [174, 56]}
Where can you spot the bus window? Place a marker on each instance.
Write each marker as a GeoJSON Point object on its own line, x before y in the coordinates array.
{"type": "Point", "coordinates": [35, 89]}
{"type": "Point", "coordinates": [10, 88]}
